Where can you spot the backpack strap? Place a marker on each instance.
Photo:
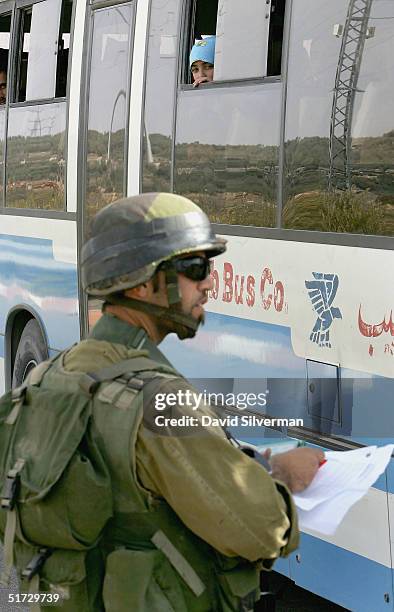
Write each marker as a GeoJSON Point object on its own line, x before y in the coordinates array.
{"type": "Point", "coordinates": [90, 381]}
{"type": "Point", "coordinates": [18, 395]}
{"type": "Point", "coordinates": [8, 502]}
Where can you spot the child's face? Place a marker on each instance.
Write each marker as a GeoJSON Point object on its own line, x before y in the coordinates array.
{"type": "Point", "coordinates": [202, 71]}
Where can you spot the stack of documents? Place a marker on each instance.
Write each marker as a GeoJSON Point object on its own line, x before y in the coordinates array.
{"type": "Point", "coordinates": [343, 479]}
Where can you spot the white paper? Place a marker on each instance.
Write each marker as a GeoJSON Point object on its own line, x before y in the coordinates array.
{"type": "Point", "coordinates": [340, 483]}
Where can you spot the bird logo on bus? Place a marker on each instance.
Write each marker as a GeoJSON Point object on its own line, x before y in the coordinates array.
{"type": "Point", "coordinates": [322, 291]}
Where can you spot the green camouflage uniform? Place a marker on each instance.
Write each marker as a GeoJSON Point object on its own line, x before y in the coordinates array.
{"type": "Point", "coordinates": [223, 518]}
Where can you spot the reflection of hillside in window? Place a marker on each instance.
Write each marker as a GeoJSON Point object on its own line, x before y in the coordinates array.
{"type": "Point", "coordinates": [343, 184]}
{"type": "Point", "coordinates": [161, 74]}
{"type": "Point", "coordinates": [109, 77]}
{"type": "Point", "coordinates": [35, 156]}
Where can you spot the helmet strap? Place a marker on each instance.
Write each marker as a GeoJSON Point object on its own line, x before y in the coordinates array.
{"type": "Point", "coordinates": [173, 295]}
{"type": "Point", "coordinates": [158, 311]}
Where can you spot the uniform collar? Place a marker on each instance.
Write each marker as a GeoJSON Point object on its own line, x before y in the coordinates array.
{"type": "Point", "coordinates": [111, 329]}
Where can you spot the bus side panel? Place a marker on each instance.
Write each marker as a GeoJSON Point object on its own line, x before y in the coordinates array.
{"type": "Point", "coordinates": [38, 273]}
{"type": "Point", "coordinates": [348, 579]}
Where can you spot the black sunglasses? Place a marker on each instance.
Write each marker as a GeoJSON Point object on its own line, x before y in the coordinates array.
{"type": "Point", "coordinates": [195, 268]}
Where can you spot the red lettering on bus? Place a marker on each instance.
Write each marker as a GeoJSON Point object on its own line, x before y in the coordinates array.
{"type": "Point", "coordinates": [266, 276]}
{"type": "Point", "coordinates": [214, 293]}
{"type": "Point", "coordinates": [228, 275]}
{"type": "Point", "coordinates": [279, 296]}
{"type": "Point", "coordinates": [250, 298]}
{"type": "Point", "coordinates": [239, 288]}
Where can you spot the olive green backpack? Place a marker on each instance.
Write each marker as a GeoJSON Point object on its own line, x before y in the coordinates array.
{"type": "Point", "coordinates": [43, 530]}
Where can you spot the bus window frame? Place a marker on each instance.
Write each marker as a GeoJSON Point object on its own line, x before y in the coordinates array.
{"type": "Point", "coordinates": [15, 8]}
{"type": "Point", "coordinates": [94, 5]}
{"type": "Point", "coordinates": [232, 83]}
{"type": "Point", "coordinates": [20, 5]}
{"type": "Point", "coordinates": [366, 241]}
{"type": "Point", "coordinates": [85, 98]}
{"type": "Point", "coordinates": [187, 20]}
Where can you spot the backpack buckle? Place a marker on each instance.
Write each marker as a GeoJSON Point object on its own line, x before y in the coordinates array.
{"type": "Point", "coordinates": [36, 563]}
{"type": "Point", "coordinates": [11, 487]}
{"type": "Point", "coordinates": [18, 394]}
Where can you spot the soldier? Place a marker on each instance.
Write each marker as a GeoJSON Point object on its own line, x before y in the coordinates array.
{"type": "Point", "coordinates": [148, 258]}
{"type": "Point", "coordinates": [194, 519]}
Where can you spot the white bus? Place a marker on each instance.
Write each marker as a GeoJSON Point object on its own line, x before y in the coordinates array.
{"type": "Point", "coordinates": [290, 150]}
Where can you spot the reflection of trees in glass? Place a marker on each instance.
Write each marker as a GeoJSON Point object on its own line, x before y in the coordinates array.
{"type": "Point", "coordinates": [237, 184]}
{"type": "Point", "coordinates": [367, 208]}
{"type": "Point", "coordinates": [234, 184]}
{"type": "Point", "coordinates": [338, 211]}
{"type": "Point", "coordinates": [105, 175]}
{"type": "Point", "coordinates": [35, 171]}
{"type": "Point", "coordinates": [157, 173]}
{"type": "Point", "coordinates": [236, 208]}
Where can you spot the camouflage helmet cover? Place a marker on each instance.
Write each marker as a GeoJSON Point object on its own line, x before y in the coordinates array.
{"type": "Point", "coordinates": [130, 238]}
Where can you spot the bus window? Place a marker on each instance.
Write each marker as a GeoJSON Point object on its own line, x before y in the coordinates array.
{"type": "Point", "coordinates": [227, 137]}
{"type": "Point", "coordinates": [107, 116]}
{"type": "Point", "coordinates": [248, 36]}
{"type": "Point", "coordinates": [39, 56]}
{"type": "Point", "coordinates": [226, 157]}
{"type": "Point", "coordinates": [36, 156]}
{"type": "Point", "coordinates": [160, 95]}
{"type": "Point", "coordinates": [36, 136]}
{"type": "Point", "coordinates": [339, 144]}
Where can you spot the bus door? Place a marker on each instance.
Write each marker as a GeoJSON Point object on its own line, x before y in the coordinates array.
{"type": "Point", "coordinates": [105, 118]}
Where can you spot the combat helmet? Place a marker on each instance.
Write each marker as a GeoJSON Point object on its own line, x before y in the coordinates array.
{"type": "Point", "coordinates": [130, 238]}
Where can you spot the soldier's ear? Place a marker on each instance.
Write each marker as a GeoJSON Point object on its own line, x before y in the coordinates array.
{"type": "Point", "coordinates": [141, 291]}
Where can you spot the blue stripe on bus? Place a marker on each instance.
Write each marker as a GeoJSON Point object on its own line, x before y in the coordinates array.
{"type": "Point", "coordinates": [348, 579]}
{"type": "Point", "coordinates": [239, 336]}
{"type": "Point", "coordinates": [30, 276]}
{"type": "Point", "coordinates": [30, 263]}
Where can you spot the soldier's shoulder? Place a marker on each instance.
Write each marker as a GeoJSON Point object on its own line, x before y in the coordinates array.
{"type": "Point", "coordinates": [91, 354]}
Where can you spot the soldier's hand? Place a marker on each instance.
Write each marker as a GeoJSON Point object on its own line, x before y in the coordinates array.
{"type": "Point", "coordinates": [297, 467]}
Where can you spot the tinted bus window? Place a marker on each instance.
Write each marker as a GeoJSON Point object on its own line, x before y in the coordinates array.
{"type": "Point", "coordinates": [160, 95]}
{"type": "Point", "coordinates": [341, 184]}
{"type": "Point", "coordinates": [36, 156]}
{"type": "Point", "coordinates": [109, 78]}
{"type": "Point", "coordinates": [36, 139]}
{"type": "Point", "coordinates": [227, 152]}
